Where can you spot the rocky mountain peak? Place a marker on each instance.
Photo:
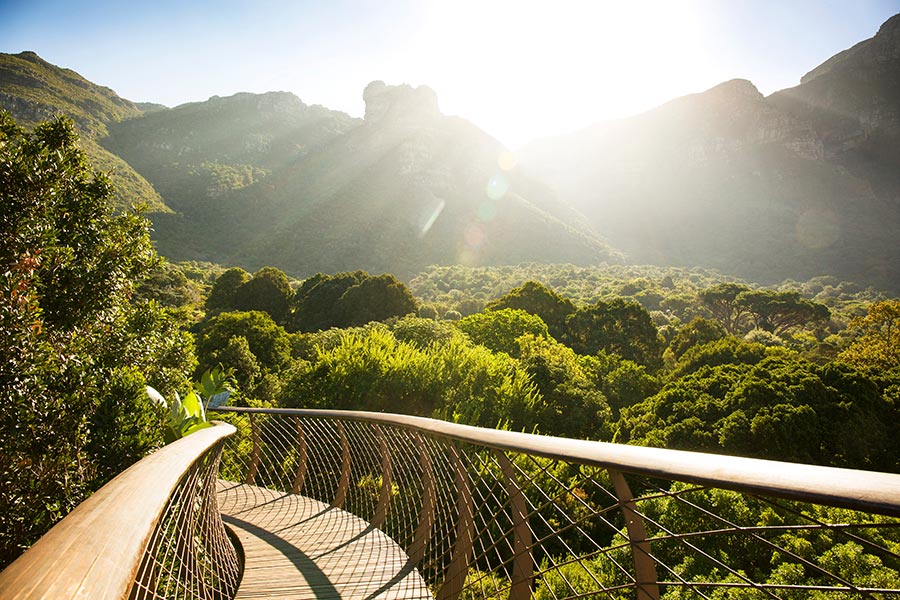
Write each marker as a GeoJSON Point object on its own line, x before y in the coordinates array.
{"type": "Point", "coordinates": [401, 103]}
{"type": "Point", "coordinates": [736, 89]}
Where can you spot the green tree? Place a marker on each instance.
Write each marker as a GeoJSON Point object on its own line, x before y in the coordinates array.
{"type": "Point", "coordinates": [499, 329]}
{"type": "Point", "coordinates": [221, 296]}
{"type": "Point", "coordinates": [722, 302]}
{"type": "Point", "coordinates": [776, 312]}
{"type": "Point", "coordinates": [782, 407]}
{"type": "Point", "coordinates": [349, 299]}
{"type": "Point", "coordinates": [697, 332]}
{"type": "Point", "coordinates": [75, 351]}
{"type": "Point", "coordinates": [619, 326]}
{"type": "Point", "coordinates": [572, 404]}
{"type": "Point", "coordinates": [251, 342]}
{"type": "Point", "coordinates": [375, 298]}
{"type": "Point", "coordinates": [268, 290]}
{"type": "Point", "coordinates": [537, 299]}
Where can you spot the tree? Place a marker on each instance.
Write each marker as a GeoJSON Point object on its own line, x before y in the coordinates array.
{"type": "Point", "coordinates": [349, 299]}
{"type": "Point", "coordinates": [221, 296]}
{"type": "Point", "coordinates": [537, 299]}
{"type": "Point", "coordinates": [75, 350]}
{"type": "Point", "coordinates": [499, 329]}
{"type": "Point", "coordinates": [776, 312]}
{"type": "Point", "coordinates": [621, 327]}
{"type": "Point", "coordinates": [572, 405]}
{"type": "Point", "coordinates": [877, 343]}
{"type": "Point", "coordinates": [268, 290]}
{"type": "Point", "coordinates": [697, 332]}
{"type": "Point", "coordinates": [375, 299]}
{"type": "Point", "coordinates": [722, 301]}
{"type": "Point", "coordinates": [268, 342]}
{"type": "Point", "coordinates": [781, 407]}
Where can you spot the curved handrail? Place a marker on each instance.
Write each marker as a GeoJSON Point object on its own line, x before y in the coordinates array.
{"type": "Point", "coordinates": [96, 551]}
{"type": "Point", "coordinates": [867, 491]}
{"type": "Point", "coordinates": [487, 514]}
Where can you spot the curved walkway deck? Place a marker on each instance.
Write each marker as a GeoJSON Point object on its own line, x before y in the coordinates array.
{"type": "Point", "coordinates": [297, 547]}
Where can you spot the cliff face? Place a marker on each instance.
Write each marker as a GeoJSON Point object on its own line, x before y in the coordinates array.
{"type": "Point", "coordinates": [400, 103]}
{"type": "Point", "coordinates": [801, 183]}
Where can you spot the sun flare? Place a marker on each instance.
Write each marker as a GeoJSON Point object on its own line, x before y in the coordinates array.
{"type": "Point", "coordinates": [508, 63]}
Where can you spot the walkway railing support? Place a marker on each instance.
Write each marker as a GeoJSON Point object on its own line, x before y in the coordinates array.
{"type": "Point", "coordinates": [644, 565]}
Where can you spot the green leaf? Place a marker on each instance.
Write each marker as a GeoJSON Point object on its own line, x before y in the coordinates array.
{"type": "Point", "coordinates": [193, 406]}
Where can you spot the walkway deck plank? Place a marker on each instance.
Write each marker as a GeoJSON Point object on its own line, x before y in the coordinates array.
{"type": "Point", "coordinates": [301, 548]}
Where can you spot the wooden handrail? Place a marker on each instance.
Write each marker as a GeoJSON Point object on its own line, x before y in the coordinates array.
{"type": "Point", "coordinates": [96, 550]}
{"type": "Point", "coordinates": [867, 491]}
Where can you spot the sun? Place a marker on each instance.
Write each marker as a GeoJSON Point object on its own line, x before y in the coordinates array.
{"type": "Point", "coordinates": [524, 69]}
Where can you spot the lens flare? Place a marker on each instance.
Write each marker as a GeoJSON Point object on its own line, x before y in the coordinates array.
{"type": "Point", "coordinates": [474, 236]}
{"type": "Point", "coordinates": [506, 161]}
{"type": "Point", "coordinates": [486, 211]}
{"type": "Point", "coordinates": [497, 187]}
{"type": "Point", "coordinates": [818, 229]}
{"type": "Point", "coordinates": [429, 221]}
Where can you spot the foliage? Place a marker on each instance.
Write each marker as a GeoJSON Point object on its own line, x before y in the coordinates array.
{"type": "Point", "coordinates": [76, 347]}
{"type": "Point", "coordinates": [573, 406]}
{"type": "Point", "coordinates": [722, 301]}
{"type": "Point", "coordinates": [257, 348]}
{"type": "Point", "coordinates": [776, 312]}
{"type": "Point", "coordinates": [780, 407]}
{"type": "Point", "coordinates": [370, 369]}
{"type": "Point", "coordinates": [499, 329]}
{"type": "Point", "coordinates": [189, 415]}
{"type": "Point", "coordinates": [618, 326]}
{"type": "Point", "coordinates": [349, 299]}
{"type": "Point", "coordinates": [697, 332]}
{"type": "Point", "coordinates": [224, 290]}
{"type": "Point", "coordinates": [537, 299]}
{"type": "Point", "coordinates": [877, 345]}
{"type": "Point", "coordinates": [268, 290]}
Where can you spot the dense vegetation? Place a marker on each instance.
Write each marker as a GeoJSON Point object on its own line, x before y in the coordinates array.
{"type": "Point", "coordinates": [670, 357]}
{"type": "Point", "coordinates": [76, 347]}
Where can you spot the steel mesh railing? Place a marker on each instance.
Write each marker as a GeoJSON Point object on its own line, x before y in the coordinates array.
{"type": "Point", "coordinates": [189, 554]}
{"type": "Point", "coordinates": [486, 514]}
{"type": "Point", "coordinates": [154, 531]}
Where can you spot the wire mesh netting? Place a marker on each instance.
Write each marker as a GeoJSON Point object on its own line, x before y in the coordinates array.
{"type": "Point", "coordinates": [477, 522]}
{"type": "Point", "coordinates": [190, 554]}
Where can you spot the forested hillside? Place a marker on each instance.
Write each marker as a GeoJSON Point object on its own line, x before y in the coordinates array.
{"type": "Point", "coordinates": [33, 90]}
{"type": "Point", "coordinates": [266, 179]}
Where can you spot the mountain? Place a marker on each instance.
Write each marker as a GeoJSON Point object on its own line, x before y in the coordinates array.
{"type": "Point", "coordinates": [801, 183]}
{"type": "Point", "coordinates": [267, 180]}
{"type": "Point", "coordinates": [34, 90]}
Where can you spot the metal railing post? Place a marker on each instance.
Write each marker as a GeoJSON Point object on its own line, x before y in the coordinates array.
{"type": "Point", "coordinates": [465, 533]}
{"type": "Point", "coordinates": [644, 565]}
{"type": "Point", "coordinates": [344, 483]}
{"type": "Point", "coordinates": [254, 457]}
{"type": "Point", "coordinates": [384, 501]}
{"type": "Point", "coordinates": [426, 514]}
{"type": "Point", "coordinates": [523, 561]}
{"type": "Point", "coordinates": [300, 477]}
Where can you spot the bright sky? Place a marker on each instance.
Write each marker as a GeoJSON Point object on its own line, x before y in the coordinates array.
{"type": "Point", "coordinates": [519, 69]}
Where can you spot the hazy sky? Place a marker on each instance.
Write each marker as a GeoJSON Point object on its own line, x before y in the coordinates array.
{"type": "Point", "coordinates": [518, 69]}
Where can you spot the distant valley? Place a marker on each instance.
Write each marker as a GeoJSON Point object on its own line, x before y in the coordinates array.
{"type": "Point", "coordinates": [801, 183]}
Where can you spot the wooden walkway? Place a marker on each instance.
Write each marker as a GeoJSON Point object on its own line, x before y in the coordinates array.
{"type": "Point", "coordinates": [296, 547]}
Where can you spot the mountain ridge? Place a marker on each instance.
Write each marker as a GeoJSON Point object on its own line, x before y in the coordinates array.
{"type": "Point", "coordinates": [800, 183]}
{"type": "Point", "coordinates": [34, 90]}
